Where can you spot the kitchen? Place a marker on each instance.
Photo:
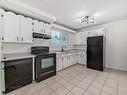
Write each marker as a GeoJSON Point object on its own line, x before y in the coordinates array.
{"type": "Point", "coordinates": [47, 50]}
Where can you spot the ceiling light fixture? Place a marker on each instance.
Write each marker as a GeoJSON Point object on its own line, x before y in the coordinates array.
{"type": "Point", "coordinates": [87, 20]}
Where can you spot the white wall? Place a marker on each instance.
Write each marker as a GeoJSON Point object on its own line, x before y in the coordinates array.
{"type": "Point", "coordinates": [116, 44]}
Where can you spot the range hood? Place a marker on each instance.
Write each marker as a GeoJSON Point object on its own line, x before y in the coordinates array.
{"type": "Point", "coordinates": [41, 36]}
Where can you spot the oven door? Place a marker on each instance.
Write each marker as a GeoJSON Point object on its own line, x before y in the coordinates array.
{"type": "Point", "coordinates": [45, 66]}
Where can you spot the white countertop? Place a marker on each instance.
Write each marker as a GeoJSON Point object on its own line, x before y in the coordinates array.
{"type": "Point", "coordinates": [12, 56]}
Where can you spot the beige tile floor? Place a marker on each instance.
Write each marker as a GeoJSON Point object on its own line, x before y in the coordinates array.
{"type": "Point", "coordinates": [79, 80]}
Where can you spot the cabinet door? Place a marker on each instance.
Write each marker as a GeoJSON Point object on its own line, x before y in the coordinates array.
{"type": "Point", "coordinates": [73, 59]}
{"type": "Point", "coordinates": [76, 59]}
{"type": "Point", "coordinates": [79, 59]}
{"type": "Point", "coordinates": [84, 59]}
{"type": "Point", "coordinates": [42, 27]}
{"type": "Point", "coordinates": [37, 26]}
{"type": "Point", "coordinates": [11, 27]}
{"type": "Point", "coordinates": [100, 32]}
{"type": "Point", "coordinates": [29, 30]}
{"type": "Point", "coordinates": [59, 63]}
{"type": "Point", "coordinates": [68, 60]}
{"type": "Point", "coordinates": [1, 25]}
{"type": "Point", "coordinates": [26, 29]}
{"type": "Point", "coordinates": [78, 38]}
{"type": "Point", "coordinates": [47, 29]}
{"type": "Point", "coordinates": [65, 62]}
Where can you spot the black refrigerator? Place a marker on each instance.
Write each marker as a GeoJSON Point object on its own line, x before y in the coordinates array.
{"type": "Point", "coordinates": [95, 53]}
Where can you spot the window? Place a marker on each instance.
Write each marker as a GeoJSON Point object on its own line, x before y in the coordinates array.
{"type": "Point", "coordinates": [64, 38]}
{"type": "Point", "coordinates": [55, 38]}
{"type": "Point", "coordinates": [59, 38]}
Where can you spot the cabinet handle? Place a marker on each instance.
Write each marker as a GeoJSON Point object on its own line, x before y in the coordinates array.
{"type": "Point", "coordinates": [2, 38]}
{"type": "Point", "coordinates": [17, 38]}
{"type": "Point", "coordinates": [22, 38]}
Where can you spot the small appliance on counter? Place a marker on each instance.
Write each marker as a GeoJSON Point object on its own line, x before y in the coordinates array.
{"type": "Point", "coordinates": [45, 62]}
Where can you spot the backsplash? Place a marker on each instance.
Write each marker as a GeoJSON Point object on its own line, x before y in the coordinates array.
{"type": "Point", "coordinates": [16, 47]}
{"type": "Point", "coordinates": [20, 48]}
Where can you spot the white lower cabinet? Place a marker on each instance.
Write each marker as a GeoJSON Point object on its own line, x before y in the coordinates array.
{"type": "Point", "coordinates": [65, 60]}
{"type": "Point", "coordinates": [81, 59]}
{"type": "Point", "coordinates": [61, 62]}
{"type": "Point", "coordinates": [58, 63]}
{"type": "Point", "coordinates": [71, 60]}
{"type": "Point", "coordinates": [74, 58]}
{"type": "Point", "coordinates": [68, 58]}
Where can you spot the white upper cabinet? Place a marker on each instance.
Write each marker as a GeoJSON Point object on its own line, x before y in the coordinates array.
{"type": "Point", "coordinates": [37, 26]}
{"type": "Point", "coordinates": [17, 28]}
{"type": "Point", "coordinates": [26, 28]}
{"type": "Point", "coordinates": [11, 27]}
{"type": "Point", "coordinates": [81, 37]}
{"type": "Point", "coordinates": [42, 27]}
{"type": "Point", "coordinates": [78, 38]}
{"type": "Point", "coordinates": [47, 29]}
{"type": "Point", "coordinates": [1, 25]}
{"type": "Point", "coordinates": [96, 32]}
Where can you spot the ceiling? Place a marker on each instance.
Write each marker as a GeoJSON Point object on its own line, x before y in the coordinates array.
{"type": "Point", "coordinates": [69, 12]}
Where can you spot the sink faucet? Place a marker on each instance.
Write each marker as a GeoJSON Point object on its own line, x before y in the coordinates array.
{"type": "Point", "coordinates": [63, 46]}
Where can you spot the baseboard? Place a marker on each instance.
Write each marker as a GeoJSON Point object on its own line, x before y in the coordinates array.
{"type": "Point", "coordinates": [116, 68]}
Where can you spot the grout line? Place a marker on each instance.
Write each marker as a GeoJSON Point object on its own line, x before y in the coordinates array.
{"type": "Point", "coordinates": [104, 83]}
{"type": "Point", "coordinates": [117, 83]}
{"type": "Point", "coordinates": [90, 84]}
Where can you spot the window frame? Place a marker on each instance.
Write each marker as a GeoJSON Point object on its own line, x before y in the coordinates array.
{"type": "Point", "coordinates": [60, 44]}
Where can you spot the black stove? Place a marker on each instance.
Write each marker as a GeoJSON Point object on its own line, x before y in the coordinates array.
{"type": "Point", "coordinates": [45, 62]}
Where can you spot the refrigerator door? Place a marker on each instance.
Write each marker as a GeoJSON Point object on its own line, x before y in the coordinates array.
{"type": "Point", "coordinates": [95, 53]}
